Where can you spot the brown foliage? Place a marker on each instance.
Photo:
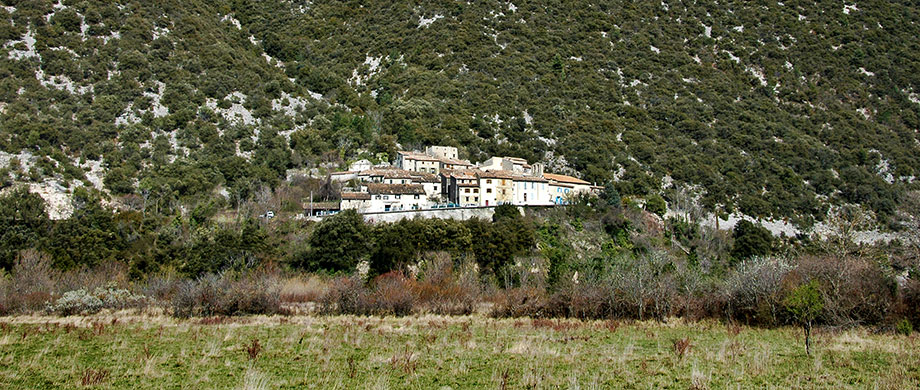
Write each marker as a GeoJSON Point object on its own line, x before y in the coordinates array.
{"type": "Point", "coordinates": [93, 377]}
{"type": "Point", "coordinates": [253, 349]}
{"type": "Point", "coordinates": [681, 347]}
{"type": "Point", "coordinates": [855, 290]}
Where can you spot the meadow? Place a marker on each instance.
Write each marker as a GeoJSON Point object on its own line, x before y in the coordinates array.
{"type": "Point", "coordinates": [153, 351]}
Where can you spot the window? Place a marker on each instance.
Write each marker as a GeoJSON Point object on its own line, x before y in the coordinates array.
{"type": "Point", "coordinates": [475, 190]}
{"type": "Point", "coordinates": [435, 188]}
{"type": "Point", "coordinates": [489, 181]}
{"type": "Point", "coordinates": [467, 190]}
{"type": "Point", "coordinates": [398, 196]}
{"type": "Point", "coordinates": [386, 197]}
{"type": "Point", "coordinates": [488, 190]}
{"type": "Point", "coordinates": [476, 199]}
{"type": "Point", "coordinates": [416, 196]}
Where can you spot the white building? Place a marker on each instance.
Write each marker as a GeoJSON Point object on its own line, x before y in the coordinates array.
{"type": "Point", "coordinates": [444, 152]}
{"type": "Point", "coordinates": [531, 191]}
{"type": "Point", "coordinates": [431, 183]}
{"type": "Point", "coordinates": [358, 201]}
{"type": "Point", "coordinates": [360, 165]}
{"type": "Point", "coordinates": [396, 197]}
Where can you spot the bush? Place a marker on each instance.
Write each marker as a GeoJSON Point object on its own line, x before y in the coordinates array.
{"type": "Point", "coordinates": [753, 290]}
{"type": "Point", "coordinates": [904, 327]}
{"type": "Point", "coordinates": [82, 302]}
{"type": "Point", "coordinates": [442, 290]}
{"type": "Point", "coordinates": [855, 291]}
{"type": "Point", "coordinates": [393, 295]}
{"type": "Point", "coordinates": [751, 240]}
{"type": "Point", "coordinates": [76, 302]}
{"type": "Point", "coordinates": [228, 295]}
{"type": "Point", "coordinates": [345, 295]}
{"type": "Point", "coordinates": [520, 302]}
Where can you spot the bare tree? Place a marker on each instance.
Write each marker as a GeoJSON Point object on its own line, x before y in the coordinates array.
{"type": "Point", "coordinates": [843, 224]}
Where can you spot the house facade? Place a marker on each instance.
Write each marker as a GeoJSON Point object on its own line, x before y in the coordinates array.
{"type": "Point", "coordinates": [496, 187]}
{"type": "Point", "coordinates": [396, 197]}
{"type": "Point", "coordinates": [531, 191]}
{"type": "Point", "coordinates": [418, 162]}
{"type": "Point", "coordinates": [358, 201]}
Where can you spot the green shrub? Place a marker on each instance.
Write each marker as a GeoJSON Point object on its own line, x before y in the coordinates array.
{"type": "Point", "coordinates": [904, 327]}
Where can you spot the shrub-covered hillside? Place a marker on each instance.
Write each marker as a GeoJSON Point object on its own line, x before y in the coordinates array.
{"type": "Point", "coordinates": [768, 108]}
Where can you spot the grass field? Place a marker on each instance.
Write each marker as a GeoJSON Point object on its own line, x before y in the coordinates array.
{"type": "Point", "coordinates": [124, 350]}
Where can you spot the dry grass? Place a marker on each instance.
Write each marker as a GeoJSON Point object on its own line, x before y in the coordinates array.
{"type": "Point", "coordinates": [141, 351]}
{"type": "Point", "coordinates": [303, 289]}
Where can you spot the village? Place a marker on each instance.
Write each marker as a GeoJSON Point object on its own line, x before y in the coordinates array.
{"type": "Point", "coordinates": [437, 179]}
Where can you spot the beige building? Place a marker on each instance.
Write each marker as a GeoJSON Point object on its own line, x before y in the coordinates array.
{"type": "Point", "coordinates": [418, 162]}
{"type": "Point", "coordinates": [515, 165]}
{"type": "Point", "coordinates": [461, 186]}
{"type": "Point", "coordinates": [496, 187]}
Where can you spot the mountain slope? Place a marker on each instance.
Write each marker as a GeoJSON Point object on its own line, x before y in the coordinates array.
{"type": "Point", "coordinates": [770, 108]}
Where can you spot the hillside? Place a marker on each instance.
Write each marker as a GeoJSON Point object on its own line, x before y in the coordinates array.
{"type": "Point", "coordinates": [773, 109]}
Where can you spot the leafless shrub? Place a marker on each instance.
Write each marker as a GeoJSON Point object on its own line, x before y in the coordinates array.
{"type": "Point", "coordinates": [345, 295]}
{"type": "Point", "coordinates": [855, 290]}
{"type": "Point", "coordinates": [161, 287]}
{"type": "Point", "coordinates": [909, 301]}
{"type": "Point", "coordinates": [107, 274]}
{"type": "Point", "coordinates": [520, 302]}
{"type": "Point", "coordinates": [227, 294]}
{"type": "Point", "coordinates": [588, 301]}
{"type": "Point", "coordinates": [32, 283]}
{"type": "Point", "coordinates": [643, 286]}
{"type": "Point", "coordinates": [753, 290]}
{"type": "Point", "coordinates": [392, 295]}
{"type": "Point", "coordinates": [444, 290]}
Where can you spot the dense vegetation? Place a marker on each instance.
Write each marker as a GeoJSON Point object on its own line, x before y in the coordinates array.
{"type": "Point", "coordinates": [593, 259]}
{"type": "Point", "coordinates": [772, 109]}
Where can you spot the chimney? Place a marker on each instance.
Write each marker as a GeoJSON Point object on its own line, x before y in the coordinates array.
{"type": "Point", "coordinates": [538, 170]}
